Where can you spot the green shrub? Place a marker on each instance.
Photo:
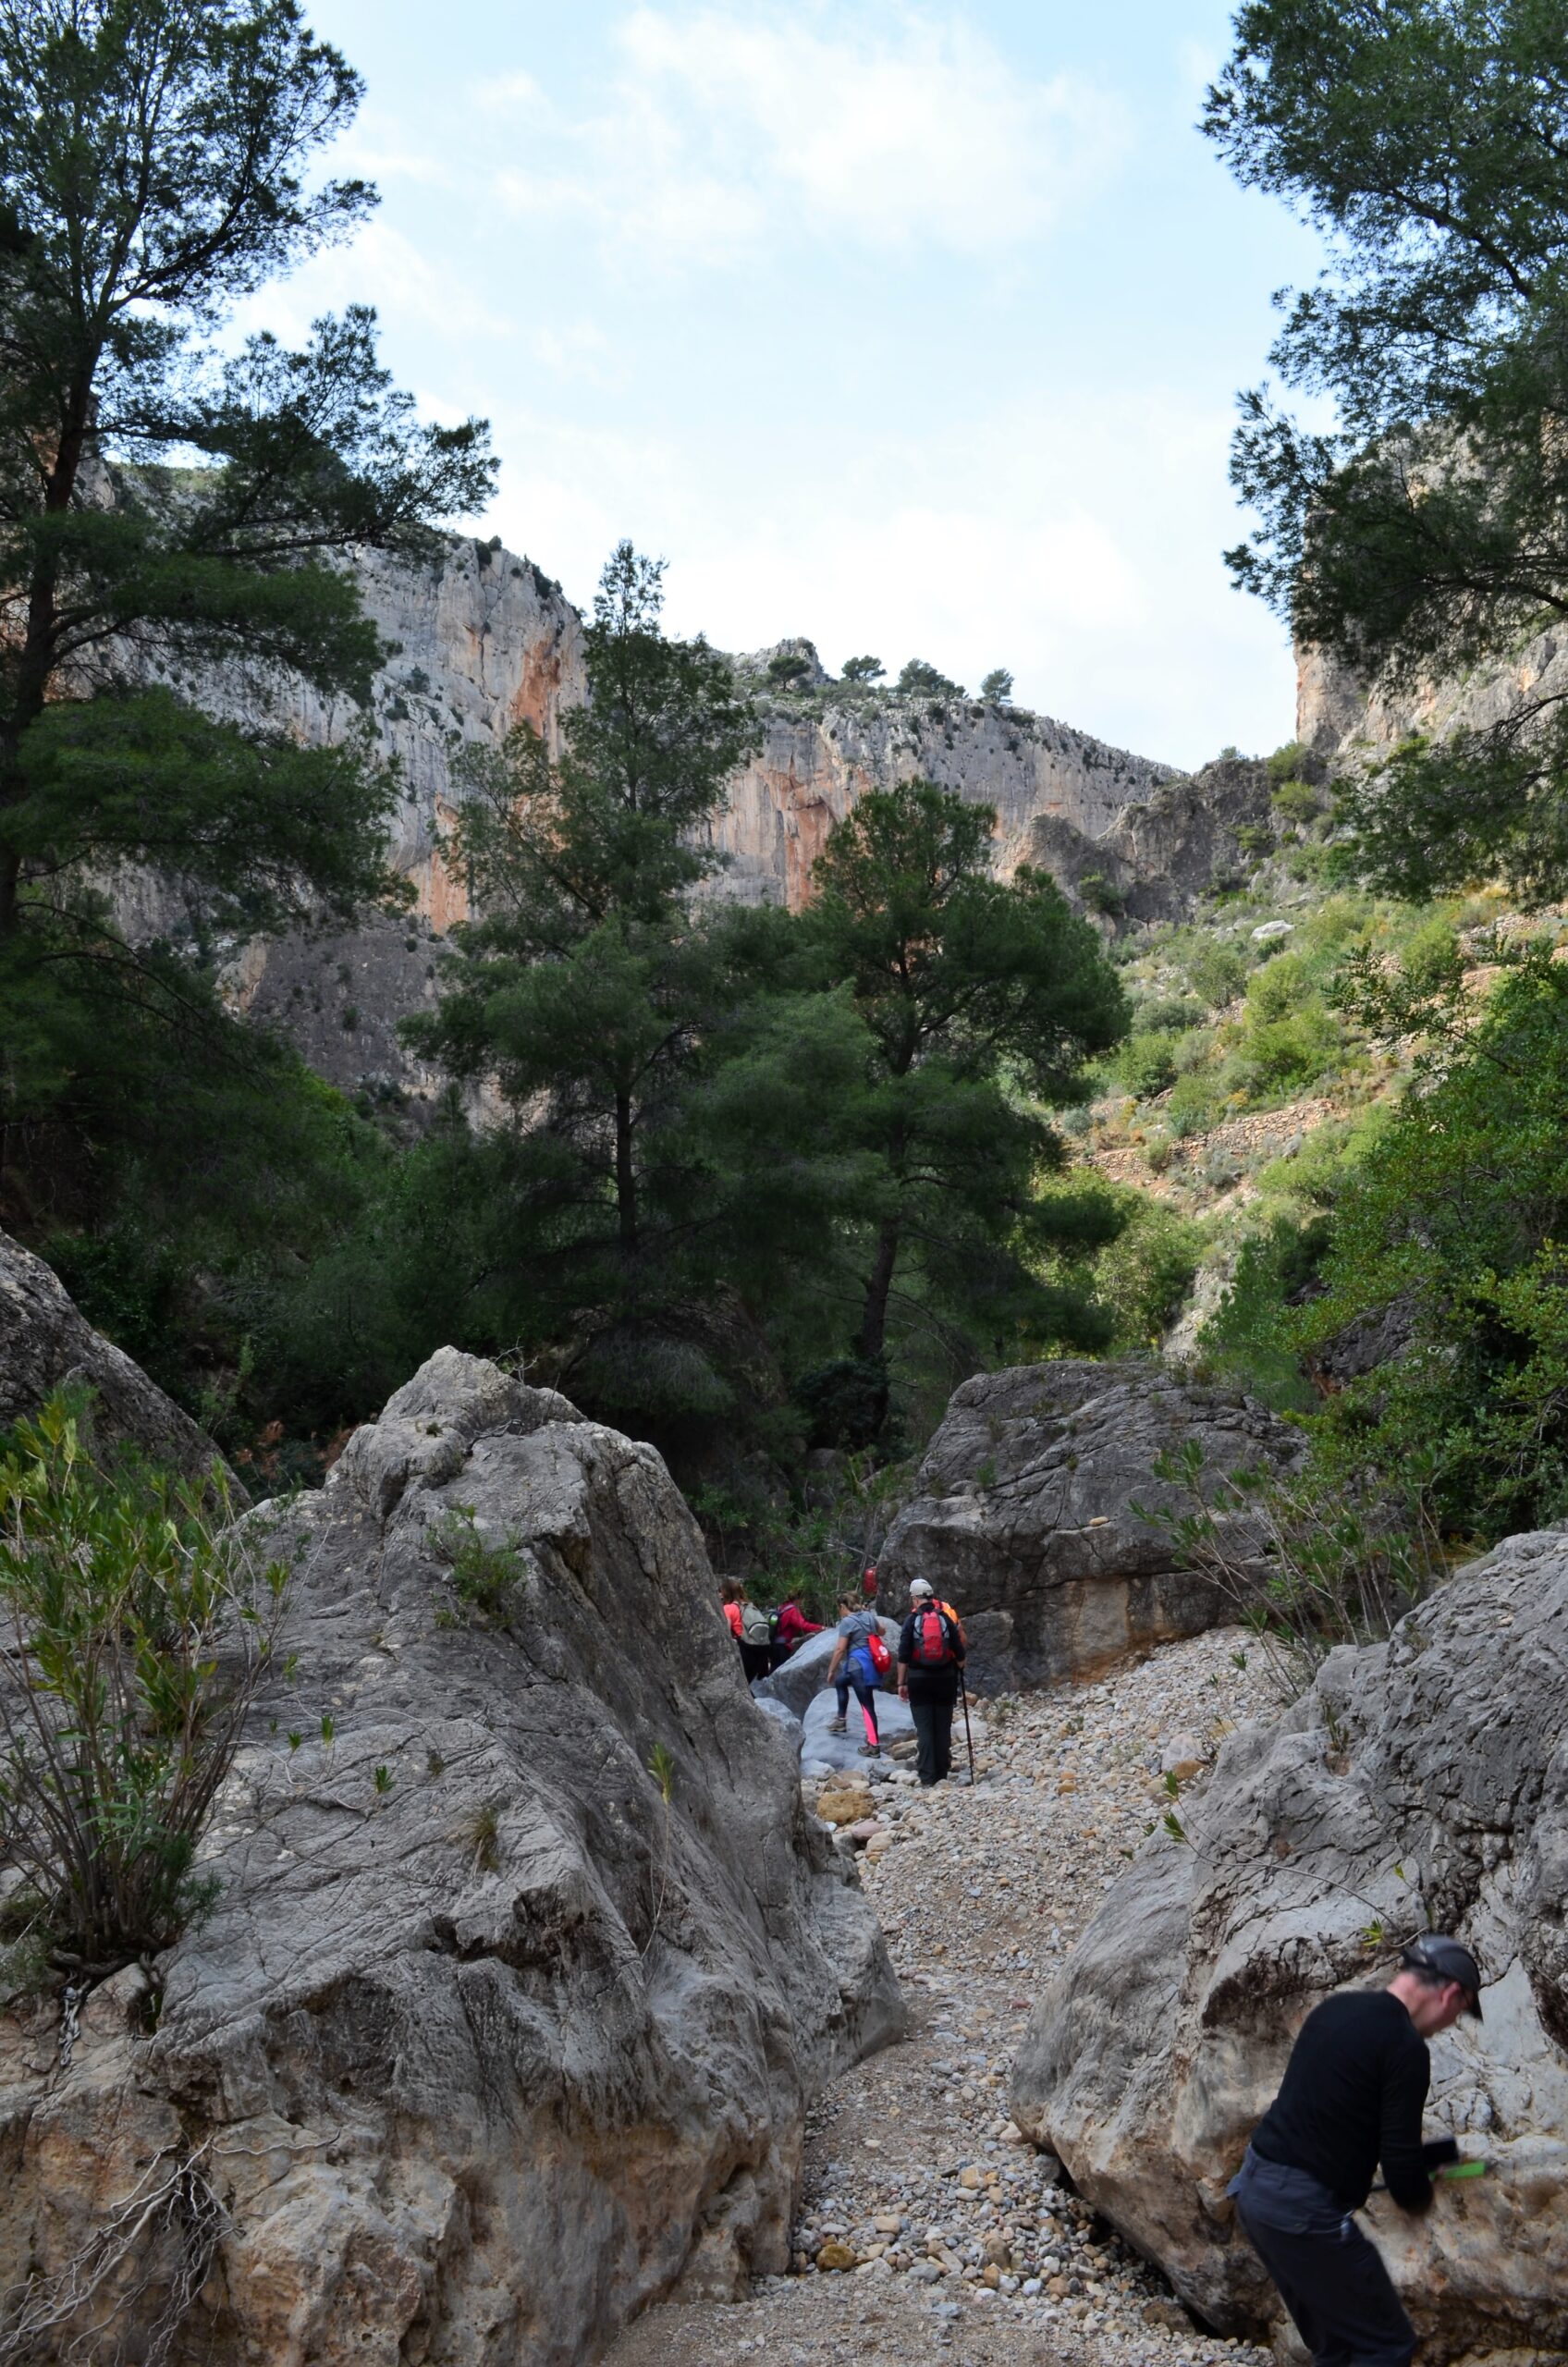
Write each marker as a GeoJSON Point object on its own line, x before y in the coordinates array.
{"type": "Point", "coordinates": [486, 1575]}
{"type": "Point", "coordinates": [1278, 989]}
{"type": "Point", "coordinates": [1102, 895]}
{"type": "Point", "coordinates": [1216, 972]}
{"type": "Point", "coordinates": [1336, 1566]}
{"type": "Point", "coordinates": [135, 1623]}
{"type": "Point", "coordinates": [1284, 1056]}
{"type": "Point", "coordinates": [1296, 802]}
{"type": "Point", "coordinates": [1255, 839]}
{"type": "Point", "coordinates": [1430, 957]}
{"type": "Point", "coordinates": [1165, 1014]}
{"type": "Point", "coordinates": [1453, 1224]}
{"type": "Point", "coordinates": [1194, 1104]}
{"type": "Point", "coordinates": [1285, 762]}
{"type": "Point", "coordinates": [1145, 1273]}
{"type": "Point", "coordinates": [1146, 1064]}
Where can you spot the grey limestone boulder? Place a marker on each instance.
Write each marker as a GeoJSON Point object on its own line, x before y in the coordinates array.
{"type": "Point", "coordinates": [801, 1677]}
{"type": "Point", "coordinates": [488, 2040]}
{"type": "Point", "coordinates": [1025, 1517]}
{"type": "Point", "coordinates": [46, 1341]}
{"type": "Point", "coordinates": [1419, 1783]}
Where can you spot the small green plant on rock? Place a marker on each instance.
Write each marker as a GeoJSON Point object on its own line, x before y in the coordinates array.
{"type": "Point", "coordinates": [487, 1576]}
{"type": "Point", "coordinates": [482, 1836]}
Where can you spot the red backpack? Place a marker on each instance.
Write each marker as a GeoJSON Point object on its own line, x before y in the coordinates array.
{"type": "Point", "coordinates": [933, 1643]}
{"type": "Point", "coordinates": [881, 1658]}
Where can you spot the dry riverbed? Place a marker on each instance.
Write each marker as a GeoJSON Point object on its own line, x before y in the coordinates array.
{"type": "Point", "coordinates": [928, 2231]}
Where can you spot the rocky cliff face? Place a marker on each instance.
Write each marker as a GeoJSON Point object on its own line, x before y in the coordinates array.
{"type": "Point", "coordinates": [824, 747]}
{"type": "Point", "coordinates": [481, 641]}
{"type": "Point", "coordinates": [522, 1972]}
{"type": "Point", "coordinates": [1350, 722]}
{"type": "Point", "coordinates": [1420, 1783]}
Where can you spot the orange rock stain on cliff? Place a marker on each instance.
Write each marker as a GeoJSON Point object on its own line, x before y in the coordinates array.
{"type": "Point", "coordinates": [441, 889]}
{"type": "Point", "coordinates": [537, 699]}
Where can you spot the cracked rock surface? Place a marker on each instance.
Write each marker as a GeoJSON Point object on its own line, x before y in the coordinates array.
{"type": "Point", "coordinates": [1421, 1783]}
{"type": "Point", "coordinates": [1026, 1515]}
{"type": "Point", "coordinates": [485, 2042]}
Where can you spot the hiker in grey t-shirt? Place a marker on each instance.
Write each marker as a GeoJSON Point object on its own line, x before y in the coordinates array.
{"type": "Point", "coordinates": [852, 1668]}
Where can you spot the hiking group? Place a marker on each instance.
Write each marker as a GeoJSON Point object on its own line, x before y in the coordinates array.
{"type": "Point", "coordinates": [932, 1649]}
{"type": "Point", "coordinates": [766, 1639]}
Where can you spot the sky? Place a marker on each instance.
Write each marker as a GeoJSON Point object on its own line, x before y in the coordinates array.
{"type": "Point", "coordinates": [915, 330]}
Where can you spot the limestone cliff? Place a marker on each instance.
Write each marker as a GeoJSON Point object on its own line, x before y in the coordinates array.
{"type": "Point", "coordinates": [517, 1984]}
{"type": "Point", "coordinates": [480, 639]}
{"type": "Point", "coordinates": [826, 744]}
{"type": "Point", "coordinates": [1350, 722]}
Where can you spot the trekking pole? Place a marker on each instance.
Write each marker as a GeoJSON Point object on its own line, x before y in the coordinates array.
{"type": "Point", "coordinates": [969, 1738]}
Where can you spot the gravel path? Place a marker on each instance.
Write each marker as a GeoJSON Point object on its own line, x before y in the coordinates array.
{"type": "Point", "coordinates": [929, 2231]}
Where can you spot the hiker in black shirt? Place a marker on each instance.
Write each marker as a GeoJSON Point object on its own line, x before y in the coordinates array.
{"type": "Point", "coordinates": [1351, 2097]}
{"type": "Point", "coordinates": [931, 1655]}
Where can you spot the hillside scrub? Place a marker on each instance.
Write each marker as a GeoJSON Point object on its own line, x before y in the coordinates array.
{"type": "Point", "coordinates": [1437, 1236]}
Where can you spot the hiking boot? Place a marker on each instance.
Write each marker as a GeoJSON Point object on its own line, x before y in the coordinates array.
{"type": "Point", "coordinates": [871, 1750]}
{"type": "Point", "coordinates": [837, 1727]}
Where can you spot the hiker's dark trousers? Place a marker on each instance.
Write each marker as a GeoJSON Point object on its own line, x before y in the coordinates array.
{"type": "Point", "coordinates": [1331, 2279]}
{"type": "Point", "coordinates": [931, 1702]}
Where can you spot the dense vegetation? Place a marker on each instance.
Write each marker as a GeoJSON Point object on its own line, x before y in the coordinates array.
{"type": "Point", "coordinates": [172, 512]}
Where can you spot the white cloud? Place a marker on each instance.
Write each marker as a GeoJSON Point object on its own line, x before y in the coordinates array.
{"type": "Point", "coordinates": [1075, 542]}
{"type": "Point", "coordinates": [726, 128]}
{"type": "Point", "coordinates": [578, 350]}
{"type": "Point", "coordinates": [384, 267]}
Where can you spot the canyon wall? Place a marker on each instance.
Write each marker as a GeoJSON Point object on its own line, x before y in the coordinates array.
{"type": "Point", "coordinates": [1349, 722]}
{"type": "Point", "coordinates": [516, 1984]}
{"type": "Point", "coordinates": [825, 745]}
{"type": "Point", "coordinates": [480, 639]}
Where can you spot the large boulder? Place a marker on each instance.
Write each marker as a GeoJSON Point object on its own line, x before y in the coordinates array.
{"type": "Point", "coordinates": [1421, 1783]}
{"type": "Point", "coordinates": [520, 1974]}
{"type": "Point", "coordinates": [797, 1681]}
{"type": "Point", "coordinates": [1026, 1515]}
{"type": "Point", "coordinates": [46, 1341]}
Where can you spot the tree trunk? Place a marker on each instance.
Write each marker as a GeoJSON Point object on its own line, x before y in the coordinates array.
{"type": "Point", "coordinates": [625, 1177]}
{"type": "Point", "coordinates": [36, 658]}
{"type": "Point", "coordinates": [872, 1338]}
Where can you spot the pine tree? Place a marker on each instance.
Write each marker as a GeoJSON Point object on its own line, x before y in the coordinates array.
{"type": "Point", "coordinates": [173, 520]}
{"type": "Point", "coordinates": [1424, 535]}
{"type": "Point", "coordinates": [591, 991]}
{"type": "Point", "coordinates": [975, 993]}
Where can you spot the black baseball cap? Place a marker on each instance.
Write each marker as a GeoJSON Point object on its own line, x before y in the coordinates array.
{"type": "Point", "coordinates": [1444, 1959]}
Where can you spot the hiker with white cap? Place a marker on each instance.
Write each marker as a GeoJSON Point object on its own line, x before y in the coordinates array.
{"type": "Point", "coordinates": [1352, 2096]}
{"type": "Point", "coordinates": [932, 1649]}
